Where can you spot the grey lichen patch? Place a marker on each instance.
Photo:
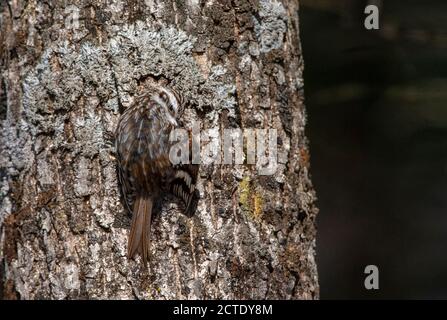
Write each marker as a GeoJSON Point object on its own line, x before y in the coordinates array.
{"type": "Point", "coordinates": [82, 186]}
{"type": "Point", "coordinates": [16, 157]}
{"type": "Point", "coordinates": [88, 131]}
{"type": "Point", "coordinates": [224, 91]}
{"type": "Point", "coordinates": [271, 27]}
{"type": "Point", "coordinates": [141, 50]}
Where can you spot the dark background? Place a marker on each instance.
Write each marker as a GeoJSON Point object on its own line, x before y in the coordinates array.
{"type": "Point", "coordinates": [377, 125]}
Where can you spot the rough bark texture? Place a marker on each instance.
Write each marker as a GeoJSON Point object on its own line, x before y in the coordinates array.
{"type": "Point", "coordinates": [63, 227]}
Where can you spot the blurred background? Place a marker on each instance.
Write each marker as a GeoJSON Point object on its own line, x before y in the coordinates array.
{"type": "Point", "coordinates": [377, 125]}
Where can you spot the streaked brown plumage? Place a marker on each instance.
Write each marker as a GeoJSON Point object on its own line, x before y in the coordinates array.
{"type": "Point", "coordinates": [144, 168]}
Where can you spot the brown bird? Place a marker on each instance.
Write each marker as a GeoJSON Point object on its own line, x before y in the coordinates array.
{"type": "Point", "coordinates": [145, 171]}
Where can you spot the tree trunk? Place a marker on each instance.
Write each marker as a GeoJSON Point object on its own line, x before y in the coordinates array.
{"type": "Point", "coordinates": [69, 68]}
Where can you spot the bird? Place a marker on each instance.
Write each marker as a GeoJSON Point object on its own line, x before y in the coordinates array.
{"type": "Point", "coordinates": [145, 172]}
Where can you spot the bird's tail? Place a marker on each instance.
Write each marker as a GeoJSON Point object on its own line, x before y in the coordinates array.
{"type": "Point", "coordinates": [139, 238]}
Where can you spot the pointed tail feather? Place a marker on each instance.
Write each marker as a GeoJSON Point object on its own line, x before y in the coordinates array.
{"type": "Point", "coordinates": [139, 237]}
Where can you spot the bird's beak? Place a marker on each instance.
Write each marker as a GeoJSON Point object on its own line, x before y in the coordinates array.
{"type": "Point", "coordinates": [172, 121]}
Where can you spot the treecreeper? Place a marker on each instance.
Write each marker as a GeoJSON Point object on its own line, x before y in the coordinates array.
{"type": "Point", "coordinates": [145, 170]}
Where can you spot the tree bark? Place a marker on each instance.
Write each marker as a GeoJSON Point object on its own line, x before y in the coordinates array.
{"type": "Point", "coordinates": [69, 68]}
